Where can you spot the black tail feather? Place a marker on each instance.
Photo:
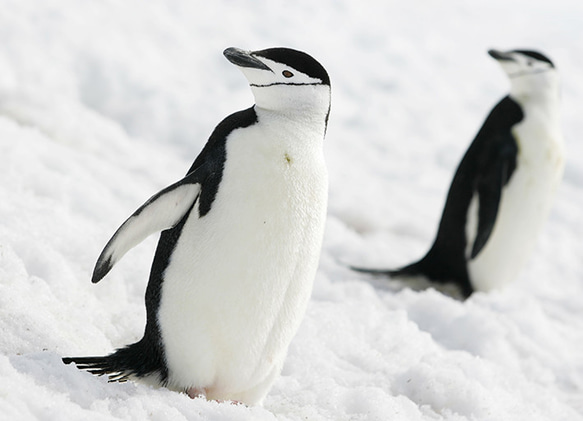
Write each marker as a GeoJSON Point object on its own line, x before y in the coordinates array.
{"type": "Point", "coordinates": [371, 271]}
{"type": "Point", "coordinates": [142, 359]}
{"type": "Point", "coordinates": [431, 268]}
{"type": "Point", "coordinates": [409, 270]}
{"type": "Point", "coordinates": [100, 366]}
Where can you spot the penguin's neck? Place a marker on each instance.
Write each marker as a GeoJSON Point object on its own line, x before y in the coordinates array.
{"type": "Point", "coordinates": [306, 105]}
{"type": "Point", "coordinates": [543, 108]}
{"type": "Point", "coordinates": [539, 133]}
{"type": "Point", "coordinates": [539, 94]}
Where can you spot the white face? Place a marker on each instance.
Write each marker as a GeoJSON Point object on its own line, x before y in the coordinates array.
{"type": "Point", "coordinates": [279, 85]}
{"type": "Point", "coordinates": [517, 64]}
{"type": "Point", "coordinates": [530, 72]}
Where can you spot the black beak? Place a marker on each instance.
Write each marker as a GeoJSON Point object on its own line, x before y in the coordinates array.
{"type": "Point", "coordinates": [500, 55]}
{"type": "Point", "coordinates": [244, 59]}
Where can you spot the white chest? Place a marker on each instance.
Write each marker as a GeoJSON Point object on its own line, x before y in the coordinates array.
{"type": "Point", "coordinates": [241, 276]}
{"type": "Point", "coordinates": [525, 203]}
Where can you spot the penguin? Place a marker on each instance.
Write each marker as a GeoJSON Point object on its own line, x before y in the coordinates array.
{"type": "Point", "coordinates": [503, 188]}
{"type": "Point", "coordinates": [241, 237]}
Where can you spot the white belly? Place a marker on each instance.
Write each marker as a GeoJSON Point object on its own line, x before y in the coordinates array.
{"type": "Point", "coordinates": [524, 207]}
{"type": "Point", "coordinates": [240, 277]}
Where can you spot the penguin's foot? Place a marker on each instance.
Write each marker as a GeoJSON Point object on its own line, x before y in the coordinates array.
{"type": "Point", "coordinates": [195, 392]}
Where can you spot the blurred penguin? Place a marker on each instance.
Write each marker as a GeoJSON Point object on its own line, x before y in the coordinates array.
{"type": "Point", "coordinates": [504, 186]}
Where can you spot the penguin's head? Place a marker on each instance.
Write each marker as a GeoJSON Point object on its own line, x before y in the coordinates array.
{"type": "Point", "coordinates": [530, 72]}
{"type": "Point", "coordinates": [283, 79]}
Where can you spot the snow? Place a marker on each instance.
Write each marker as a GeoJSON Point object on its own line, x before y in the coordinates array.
{"type": "Point", "coordinates": [104, 103]}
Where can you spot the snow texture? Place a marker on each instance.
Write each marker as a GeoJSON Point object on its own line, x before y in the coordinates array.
{"type": "Point", "coordinates": [104, 103]}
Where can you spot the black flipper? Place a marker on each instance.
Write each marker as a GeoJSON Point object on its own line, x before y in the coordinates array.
{"type": "Point", "coordinates": [167, 208]}
{"type": "Point", "coordinates": [496, 175]}
{"type": "Point", "coordinates": [163, 210]}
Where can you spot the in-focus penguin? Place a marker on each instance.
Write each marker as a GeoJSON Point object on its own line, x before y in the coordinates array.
{"type": "Point", "coordinates": [235, 264]}
{"type": "Point", "coordinates": [503, 188]}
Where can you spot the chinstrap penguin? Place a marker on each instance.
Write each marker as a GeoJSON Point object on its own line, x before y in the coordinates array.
{"type": "Point", "coordinates": [242, 233]}
{"type": "Point", "coordinates": [504, 186]}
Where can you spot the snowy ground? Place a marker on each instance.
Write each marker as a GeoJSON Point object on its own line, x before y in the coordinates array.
{"type": "Point", "coordinates": [103, 103]}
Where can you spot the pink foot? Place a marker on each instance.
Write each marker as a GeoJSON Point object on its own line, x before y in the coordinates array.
{"type": "Point", "coordinates": [235, 402]}
{"type": "Point", "coordinates": [194, 392]}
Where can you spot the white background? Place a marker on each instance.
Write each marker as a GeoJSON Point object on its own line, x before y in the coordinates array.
{"type": "Point", "coordinates": [103, 103]}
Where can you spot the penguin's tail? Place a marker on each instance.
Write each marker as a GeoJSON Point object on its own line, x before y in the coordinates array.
{"type": "Point", "coordinates": [430, 268]}
{"type": "Point", "coordinates": [99, 366]}
{"type": "Point", "coordinates": [413, 269]}
{"type": "Point", "coordinates": [143, 359]}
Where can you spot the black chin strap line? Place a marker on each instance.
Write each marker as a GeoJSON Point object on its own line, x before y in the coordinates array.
{"type": "Point", "coordinates": [527, 72]}
{"type": "Point", "coordinates": [284, 83]}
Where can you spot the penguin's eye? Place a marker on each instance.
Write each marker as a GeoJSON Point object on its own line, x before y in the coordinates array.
{"type": "Point", "coordinates": [287, 73]}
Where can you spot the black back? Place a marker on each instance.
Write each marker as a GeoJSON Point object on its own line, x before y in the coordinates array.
{"type": "Point", "coordinates": [485, 168]}
{"type": "Point", "coordinates": [147, 356]}
{"type": "Point", "coordinates": [212, 160]}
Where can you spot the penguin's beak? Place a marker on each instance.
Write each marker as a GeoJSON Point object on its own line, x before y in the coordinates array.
{"type": "Point", "coordinates": [500, 55]}
{"type": "Point", "coordinates": [244, 59]}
